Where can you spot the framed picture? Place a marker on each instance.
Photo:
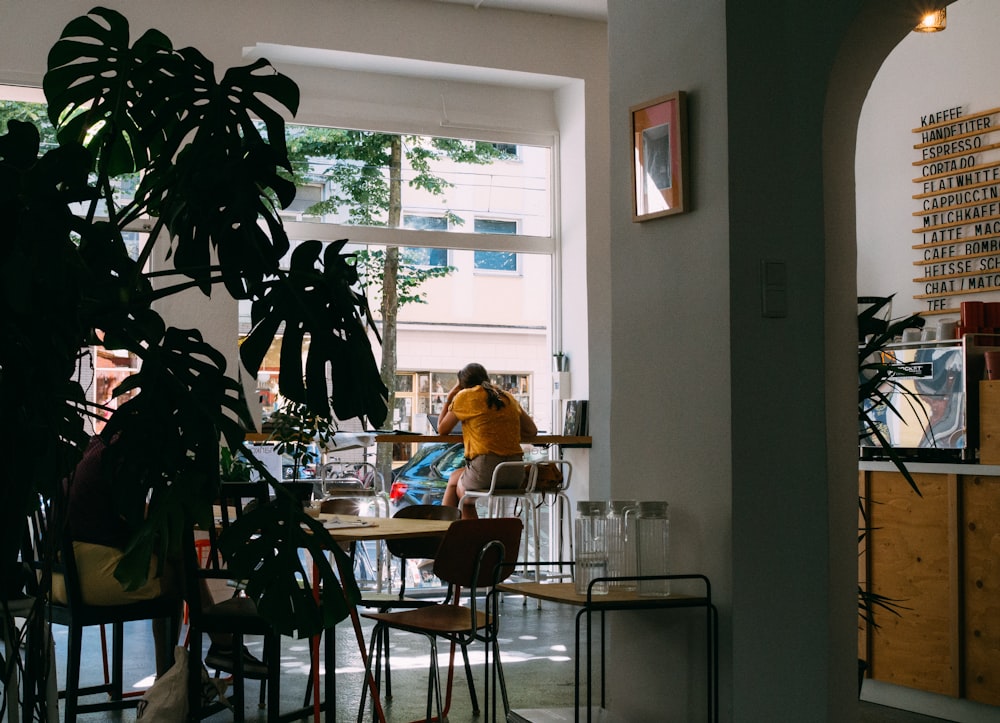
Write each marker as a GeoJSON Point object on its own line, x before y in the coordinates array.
{"type": "Point", "coordinates": [659, 174]}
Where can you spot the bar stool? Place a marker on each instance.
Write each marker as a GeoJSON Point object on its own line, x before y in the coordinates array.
{"type": "Point", "coordinates": [512, 481]}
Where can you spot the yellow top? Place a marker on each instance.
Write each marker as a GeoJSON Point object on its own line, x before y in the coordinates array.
{"type": "Point", "coordinates": [484, 429]}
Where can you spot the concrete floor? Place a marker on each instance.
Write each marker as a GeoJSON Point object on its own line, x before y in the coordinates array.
{"type": "Point", "coordinates": [537, 650]}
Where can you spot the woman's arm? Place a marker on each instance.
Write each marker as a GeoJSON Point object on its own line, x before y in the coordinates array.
{"type": "Point", "coordinates": [448, 420]}
{"type": "Point", "coordinates": [528, 427]}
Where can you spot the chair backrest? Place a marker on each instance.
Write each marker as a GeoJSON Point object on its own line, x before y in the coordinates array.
{"type": "Point", "coordinates": [412, 548]}
{"type": "Point", "coordinates": [512, 477]}
{"type": "Point", "coordinates": [44, 548]}
{"type": "Point", "coordinates": [234, 499]}
{"type": "Point", "coordinates": [459, 553]}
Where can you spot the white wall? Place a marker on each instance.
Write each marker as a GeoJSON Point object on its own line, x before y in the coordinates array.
{"type": "Point", "coordinates": [726, 413]}
{"type": "Point", "coordinates": [670, 345]}
{"type": "Point", "coordinates": [926, 72]}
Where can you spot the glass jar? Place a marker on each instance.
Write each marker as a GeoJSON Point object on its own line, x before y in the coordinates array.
{"type": "Point", "coordinates": [621, 543]}
{"type": "Point", "coordinates": [591, 546]}
{"type": "Point", "coordinates": [652, 532]}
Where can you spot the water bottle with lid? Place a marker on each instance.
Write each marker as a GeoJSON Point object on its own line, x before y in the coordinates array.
{"type": "Point", "coordinates": [652, 531]}
{"type": "Point", "coordinates": [621, 542]}
{"type": "Point", "coordinates": [591, 546]}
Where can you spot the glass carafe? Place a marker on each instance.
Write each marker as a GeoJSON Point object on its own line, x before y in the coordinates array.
{"type": "Point", "coordinates": [652, 532]}
{"type": "Point", "coordinates": [591, 546]}
{"type": "Point", "coordinates": [621, 543]}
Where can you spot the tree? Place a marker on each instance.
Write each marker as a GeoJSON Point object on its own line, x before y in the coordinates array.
{"type": "Point", "coordinates": [364, 171]}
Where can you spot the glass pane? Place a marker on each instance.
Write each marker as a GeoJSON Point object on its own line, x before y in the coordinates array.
{"type": "Point", "coordinates": [342, 177]}
{"type": "Point", "coordinates": [425, 257]}
{"type": "Point", "coordinates": [425, 223]}
{"type": "Point", "coordinates": [496, 261]}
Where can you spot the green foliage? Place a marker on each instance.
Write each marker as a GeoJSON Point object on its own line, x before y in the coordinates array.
{"type": "Point", "coordinates": [357, 164]}
{"type": "Point", "coordinates": [878, 379]}
{"type": "Point", "coordinates": [410, 277]}
{"type": "Point", "coordinates": [879, 375]}
{"type": "Point", "coordinates": [214, 178]}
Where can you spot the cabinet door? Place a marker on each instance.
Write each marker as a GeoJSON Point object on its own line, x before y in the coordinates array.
{"type": "Point", "coordinates": [910, 549]}
{"type": "Point", "coordinates": [981, 570]}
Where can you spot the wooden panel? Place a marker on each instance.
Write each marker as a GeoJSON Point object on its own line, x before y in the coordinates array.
{"type": "Point", "coordinates": [981, 570]}
{"type": "Point", "coordinates": [989, 422]}
{"type": "Point", "coordinates": [910, 561]}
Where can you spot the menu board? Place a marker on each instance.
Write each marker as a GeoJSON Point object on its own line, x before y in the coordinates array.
{"type": "Point", "coordinates": [958, 218]}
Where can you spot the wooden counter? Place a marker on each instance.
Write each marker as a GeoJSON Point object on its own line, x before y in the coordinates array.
{"type": "Point", "coordinates": [939, 555]}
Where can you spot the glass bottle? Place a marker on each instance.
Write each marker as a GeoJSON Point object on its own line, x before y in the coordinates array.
{"type": "Point", "coordinates": [591, 546]}
{"type": "Point", "coordinates": [621, 542]}
{"type": "Point", "coordinates": [652, 531]}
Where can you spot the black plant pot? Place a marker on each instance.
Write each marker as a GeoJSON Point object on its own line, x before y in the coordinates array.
{"type": "Point", "coordinates": [862, 669]}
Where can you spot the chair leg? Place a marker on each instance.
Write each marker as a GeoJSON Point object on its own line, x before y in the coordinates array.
{"type": "Point", "coordinates": [434, 682]}
{"type": "Point", "coordinates": [272, 654]}
{"type": "Point", "coordinates": [375, 635]}
{"type": "Point", "coordinates": [194, 677]}
{"type": "Point", "coordinates": [73, 651]}
{"type": "Point", "coordinates": [502, 682]}
{"type": "Point", "coordinates": [470, 680]}
{"type": "Point", "coordinates": [388, 667]}
{"type": "Point", "coordinates": [239, 681]}
{"type": "Point", "coordinates": [117, 660]}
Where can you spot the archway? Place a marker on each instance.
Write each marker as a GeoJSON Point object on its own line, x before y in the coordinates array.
{"type": "Point", "coordinates": [878, 27]}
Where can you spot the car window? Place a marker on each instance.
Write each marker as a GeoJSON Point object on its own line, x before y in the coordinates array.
{"type": "Point", "coordinates": [451, 460]}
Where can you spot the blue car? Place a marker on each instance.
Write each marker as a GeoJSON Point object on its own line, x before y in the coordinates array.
{"type": "Point", "coordinates": [422, 480]}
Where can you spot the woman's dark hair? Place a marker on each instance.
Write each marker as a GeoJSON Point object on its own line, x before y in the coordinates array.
{"type": "Point", "coordinates": [475, 375]}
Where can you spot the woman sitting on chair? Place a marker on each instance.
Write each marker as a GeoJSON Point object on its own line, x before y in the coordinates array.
{"type": "Point", "coordinates": [493, 426]}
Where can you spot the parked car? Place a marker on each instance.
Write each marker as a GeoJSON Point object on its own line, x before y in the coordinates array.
{"type": "Point", "coordinates": [422, 480]}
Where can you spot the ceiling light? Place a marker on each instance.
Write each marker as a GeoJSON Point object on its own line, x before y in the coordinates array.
{"type": "Point", "coordinates": [932, 21]}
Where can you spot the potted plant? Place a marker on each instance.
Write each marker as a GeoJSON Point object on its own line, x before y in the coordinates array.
{"type": "Point", "coordinates": [211, 163]}
{"type": "Point", "coordinates": [879, 384]}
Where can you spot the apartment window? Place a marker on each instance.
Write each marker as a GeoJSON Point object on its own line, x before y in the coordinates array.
{"type": "Point", "coordinates": [508, 149]}
{"type": "Point", "coordinates": [500, 261]}
{"type": "Point", "coordinates": [419, 256]}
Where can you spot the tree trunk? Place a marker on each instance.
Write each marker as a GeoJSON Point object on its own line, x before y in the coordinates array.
{"type": "Point", "coordinates": [390, 301]}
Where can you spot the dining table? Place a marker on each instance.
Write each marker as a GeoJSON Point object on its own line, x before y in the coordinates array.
{"type": "Point", "coordinates": [354, 529]}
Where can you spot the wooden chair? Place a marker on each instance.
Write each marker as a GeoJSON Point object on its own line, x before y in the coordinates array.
{"type": "Point", "coordinates": [236, 616]}
{"type": "Point", "coordinates": [471, 556]}
{"type": "Point", "coordinates": [413, 548]}
{"type": "Point", "coordinates": [76, 614]}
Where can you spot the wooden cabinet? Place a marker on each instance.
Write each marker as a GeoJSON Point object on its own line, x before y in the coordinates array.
{"type": "Point", "coordinates": [938, 556]}
{"type": "Point", "coordinates": [981, 575]}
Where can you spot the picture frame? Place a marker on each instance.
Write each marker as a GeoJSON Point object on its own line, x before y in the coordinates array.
{"type": "Point", "coordinates": [659, 168]}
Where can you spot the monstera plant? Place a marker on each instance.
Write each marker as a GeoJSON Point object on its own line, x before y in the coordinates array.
{"type": "Point", "coordinates": [209, 155]}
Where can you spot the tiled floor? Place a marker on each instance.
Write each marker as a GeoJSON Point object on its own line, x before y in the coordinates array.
{"type": "Point", "coordinates": [538, 652]}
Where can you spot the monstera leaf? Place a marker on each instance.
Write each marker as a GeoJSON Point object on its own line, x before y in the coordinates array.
{"type": "Point", "coordinates": [263, 547]}
{"type": "Point", "coordinates": [208, 173]}
{"type": "Point", "coordinates": [323, 317]}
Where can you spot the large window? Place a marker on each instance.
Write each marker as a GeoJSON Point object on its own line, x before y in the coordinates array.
{"type": "Point", "coordinates": [478, 213]}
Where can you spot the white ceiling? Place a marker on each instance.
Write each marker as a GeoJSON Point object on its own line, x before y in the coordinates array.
{"type": "Point", "coordinates": [590, 9]}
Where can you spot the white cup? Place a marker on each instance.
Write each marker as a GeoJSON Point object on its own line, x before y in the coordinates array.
{"type": "Point", "coordinates": [947, 329]}
{"type": "Point", "coordinates": [911, 335]}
